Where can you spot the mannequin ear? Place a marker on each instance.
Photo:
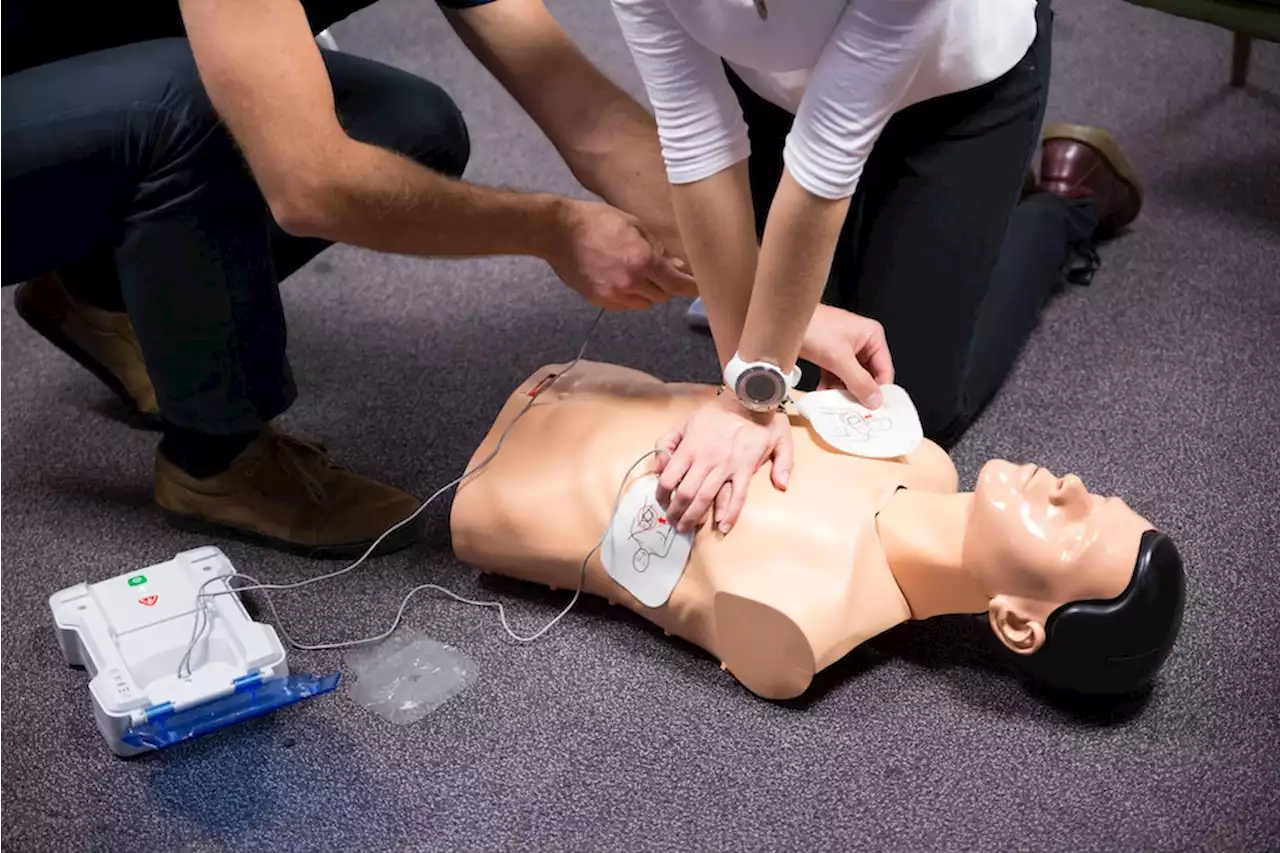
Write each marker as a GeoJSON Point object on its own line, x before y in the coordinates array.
{"type": "Point", "coordinates": [1014, 624]}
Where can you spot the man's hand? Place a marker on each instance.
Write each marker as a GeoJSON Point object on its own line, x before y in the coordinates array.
{"type": "Point", "coordinates": [607, 139]}
{"type": "Point", "coordinates": [852, 352]}
{"type": "Point", "coordinates": [609, 258]}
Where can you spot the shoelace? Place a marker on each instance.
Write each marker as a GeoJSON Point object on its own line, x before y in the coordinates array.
{"type": "Point", "coordinates": [1083, 264]}
{"type": "Point", "coordinates": [301, 457]}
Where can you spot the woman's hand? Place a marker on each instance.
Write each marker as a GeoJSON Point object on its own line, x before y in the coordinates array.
{"type": "Point", "coordinates": [852, 352]}
{"type": "Point", "coordinates": [713, 456]}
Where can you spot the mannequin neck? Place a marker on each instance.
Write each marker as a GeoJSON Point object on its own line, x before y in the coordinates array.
{"type": "Point", "coordinates": [922, 534]}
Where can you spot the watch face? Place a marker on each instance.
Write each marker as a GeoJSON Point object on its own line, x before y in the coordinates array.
{"type": "Point", "coordinates": [761, 388]}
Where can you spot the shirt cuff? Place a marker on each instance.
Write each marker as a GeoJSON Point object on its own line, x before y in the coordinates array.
{"type": "Point", "coordinates": [832, 178]}
{"type": "Point", "coordinates": [682, 170]}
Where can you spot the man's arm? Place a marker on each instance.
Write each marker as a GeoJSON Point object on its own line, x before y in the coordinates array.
{"type": "Point", "coordinates": [267, 80]}
{"type": "Point", "coordinates": [609, 141]}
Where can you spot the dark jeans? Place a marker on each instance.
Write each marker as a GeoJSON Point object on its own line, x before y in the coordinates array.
{"type": "Point", "coordinates": [118, 172]}
{"type": "Point", "coordinates": [937, 246]}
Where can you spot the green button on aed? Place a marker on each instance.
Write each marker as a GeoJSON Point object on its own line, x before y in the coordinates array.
{"type": "Point", "coordinates": [137, 580]}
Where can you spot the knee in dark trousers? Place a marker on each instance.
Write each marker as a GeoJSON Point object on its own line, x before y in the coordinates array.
{"type": "Point", "coordinates": [933, 370]}
{"type": "Point", "coordinates": [376, 103]}
{"type": "Point", "coordinates": [398, 111]}
{"type": "Point", "coordinates": [944, 415]}
{"type": "Point", "coordinates": [438, 124]}
{"type": "Point", "coordinates": [96, 141]}
{"type": "Point", "coordinates": [944, 424]}
{"type": "Point", "coordinates": [187, 137]}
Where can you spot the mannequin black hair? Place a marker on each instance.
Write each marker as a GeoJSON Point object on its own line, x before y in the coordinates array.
{"type": "Point", "coordinates": [1117, 646]}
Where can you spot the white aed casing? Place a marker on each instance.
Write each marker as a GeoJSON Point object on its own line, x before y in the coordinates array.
{"type": "Point", "coordinates": [131, 632]}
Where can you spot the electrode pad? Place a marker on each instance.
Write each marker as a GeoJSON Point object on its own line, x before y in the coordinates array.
{"type": "Point", "coordinates": [641, 551]}
{"type": "Point", "coordinates": [884, 433]}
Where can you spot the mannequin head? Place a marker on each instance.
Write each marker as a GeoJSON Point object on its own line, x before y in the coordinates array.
{"type": "Point", "coordinates": [1079, 585]}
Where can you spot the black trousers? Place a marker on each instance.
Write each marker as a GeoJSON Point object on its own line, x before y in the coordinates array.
{"type": "Point", "coordinates": [117, 171]}
{"type": "Point", "coordinates": [937, 246]}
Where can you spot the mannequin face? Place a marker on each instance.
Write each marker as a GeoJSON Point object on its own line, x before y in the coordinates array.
{"type": "Point", "coordinates": [1036, 541]}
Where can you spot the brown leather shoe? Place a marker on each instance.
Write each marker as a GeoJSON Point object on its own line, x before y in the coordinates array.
{"type": "Point", "coordinates": [1079, 162]}
{"type": "Point", "coordinates": [103, 342]}
{"type": "Point", "coordinates": [287, 493]}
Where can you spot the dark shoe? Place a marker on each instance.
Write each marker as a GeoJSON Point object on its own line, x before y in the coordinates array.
{"type": "Point", "coordinates": [1086, 162]}
{"type": "Point", "coordinates": [289, 494]}
{"type": "Point", "coordinates": [103, 342]}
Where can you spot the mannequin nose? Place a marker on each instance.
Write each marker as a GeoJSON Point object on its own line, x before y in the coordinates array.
{"type": "Point", "coordinates": [1070, 493]}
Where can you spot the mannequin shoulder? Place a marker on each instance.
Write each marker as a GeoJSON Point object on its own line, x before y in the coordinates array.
{"type": "Point", "coordinates": [933, 468]}
{"type": "Point", "coordinates": [590, 376]}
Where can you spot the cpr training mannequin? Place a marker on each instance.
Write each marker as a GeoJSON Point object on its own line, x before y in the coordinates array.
{"type": "Point", "coordinates": [1082, 587]}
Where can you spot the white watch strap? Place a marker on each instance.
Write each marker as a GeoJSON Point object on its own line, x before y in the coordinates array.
{"type": "Point", "coordinates": [737, 366]}
{"type": "Point", "coordinates": [794, 379]}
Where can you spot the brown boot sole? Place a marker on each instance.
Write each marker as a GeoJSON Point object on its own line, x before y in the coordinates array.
{"type": "Point", "coordinates": [402, 538]}
{"type": "Point", "coordinates": [50, 331]}
{"type": "Point", "coordinates": [1106, 145]}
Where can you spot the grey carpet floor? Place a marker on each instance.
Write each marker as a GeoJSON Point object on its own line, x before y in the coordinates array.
{"type": "Point", "coordinates": [1158, 383]}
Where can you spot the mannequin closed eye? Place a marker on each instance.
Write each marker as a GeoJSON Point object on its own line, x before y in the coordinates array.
{"type": "Point", "coordinates": [1059, 511]}
{"type": "Point", "coordinates": [1035, 542]}
{"type": "Point", "coordinates": [1037, 535]}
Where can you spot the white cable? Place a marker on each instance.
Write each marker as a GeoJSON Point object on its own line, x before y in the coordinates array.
{"type": "Point", "coordinates": [201, 619]}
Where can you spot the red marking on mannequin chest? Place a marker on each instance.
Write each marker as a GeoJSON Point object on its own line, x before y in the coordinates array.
{"type": "Point", "coordinates": [542, 385]}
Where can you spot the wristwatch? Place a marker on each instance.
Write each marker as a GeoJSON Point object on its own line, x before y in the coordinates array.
{"type": "Point", "coordinates": [759, 385]}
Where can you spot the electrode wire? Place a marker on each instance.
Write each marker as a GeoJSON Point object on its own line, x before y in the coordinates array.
{"type": "Point", "coordinates": [404, 604]}
{"type": "Point", "coordinates": [200, 623]}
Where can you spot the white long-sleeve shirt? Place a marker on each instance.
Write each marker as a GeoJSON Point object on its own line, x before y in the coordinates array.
{"type": "Point", "coordinates": [842, 67]}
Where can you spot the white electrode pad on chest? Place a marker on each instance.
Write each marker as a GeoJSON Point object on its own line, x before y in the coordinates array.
{"type": "Point", "coordinates": [884, 433]}
{"type": "Point", "coordinates": [644, 554]}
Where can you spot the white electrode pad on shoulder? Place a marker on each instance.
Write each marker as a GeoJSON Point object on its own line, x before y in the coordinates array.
{"type": "Point", "coordinates": [884, 433]}
{"type": "Point", "coordinates": [644, 554]}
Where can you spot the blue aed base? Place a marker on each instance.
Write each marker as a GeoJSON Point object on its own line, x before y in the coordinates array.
{"type": "Point", "coordinates": [132, 632]}
{"type": "Point", "coordinates": [252, 698]}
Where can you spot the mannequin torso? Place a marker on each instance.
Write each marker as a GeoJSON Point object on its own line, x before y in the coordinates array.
{"type": "Point", "coordinates": [800, 580]}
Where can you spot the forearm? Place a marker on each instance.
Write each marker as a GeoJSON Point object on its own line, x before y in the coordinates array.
{"type": "Point", "coordinates": [718, 225]}
{"type": "Point", "coordinates": [267, 80]}
{"type": "Point", "coordinates": [377, 199]}
{"type": "Point", "coordinates": [860, 80]}
{"type": "Point", "coordinates": [620, 160]}
{"type": "Point", "coordinates": [795, 261]}
{"type": "Point", "coordinates": [607, 139]}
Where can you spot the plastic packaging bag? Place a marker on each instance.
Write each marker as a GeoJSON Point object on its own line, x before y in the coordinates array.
{"type": "Point", "coordinates": [407, 676]}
